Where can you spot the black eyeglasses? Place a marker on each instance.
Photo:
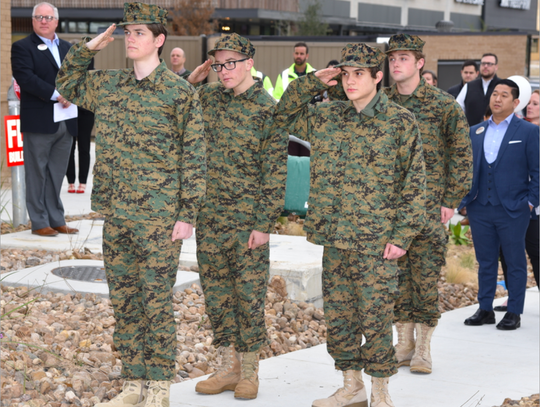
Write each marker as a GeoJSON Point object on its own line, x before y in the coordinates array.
{"type": "Point", "coordinates": [229, 65]}
{"type": "Point", "coordinates": [487, 63]}
{"type": "Point", "coordinates": [41, 18]}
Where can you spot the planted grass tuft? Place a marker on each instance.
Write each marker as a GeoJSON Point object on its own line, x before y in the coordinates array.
{"type": "Point", "coordinates": [458, 273]}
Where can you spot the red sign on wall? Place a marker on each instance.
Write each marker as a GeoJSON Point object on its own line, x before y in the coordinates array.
{"type": "Point", "coordinates": [14, 141]}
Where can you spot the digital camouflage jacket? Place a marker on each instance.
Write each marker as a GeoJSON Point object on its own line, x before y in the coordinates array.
{"type": "Point", "coordinates": [367, 169]}
{"type": "Point", "coordinates": [447, 146]}
{"type": "Point", "coordinates": [246, 156]}
{"type": "Point", "coordinates": [150, 147]}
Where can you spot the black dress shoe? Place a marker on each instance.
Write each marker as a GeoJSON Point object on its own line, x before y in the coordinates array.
{"type": "Point", "coordinates": [509, 322]}
{"type": "Point", "coordinates": [500, 308]}
{"type": "Point", "coordinates": [481, 317]}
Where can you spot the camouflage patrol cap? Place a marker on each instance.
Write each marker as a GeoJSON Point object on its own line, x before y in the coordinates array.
{"type": "Point", "coordinates": [405, 42]}
{"type": "Point", "coordinates": [361, 56]}
{"type": "Point", "coordinates": [233, 42]}
{"type": "Point", "coordinates": [141, 13]}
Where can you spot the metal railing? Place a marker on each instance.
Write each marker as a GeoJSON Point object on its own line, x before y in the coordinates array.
{"type": "Point", "coordinates": [18, 183]}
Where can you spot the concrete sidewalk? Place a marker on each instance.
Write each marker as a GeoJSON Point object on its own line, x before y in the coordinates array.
{"type": "Point", "coordinates": [472, 367]}
{"type": "Point", "coordinates": [295, 259]}
{"type": "Point", "coordinates": [74, 204]}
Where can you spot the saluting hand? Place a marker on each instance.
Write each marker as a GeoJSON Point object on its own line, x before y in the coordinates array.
{"type": "Point", "coordinates": [327, 75]}
{"type": "Point", "coordinates": [200, 73]}
{"type": "Point", "coordinates": [102, 40]}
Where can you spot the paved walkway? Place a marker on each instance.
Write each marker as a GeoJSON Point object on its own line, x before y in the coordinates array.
{"type": "Point", "coordinates": [74, 204]}
{"type": "Point", "coordinates": [473, 366]}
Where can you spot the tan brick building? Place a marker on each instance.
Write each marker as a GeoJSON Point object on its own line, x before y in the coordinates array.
{"type": "Point", "coordinates": [510, 48]}
{"type": "Point", "coordinates": [5, 78]}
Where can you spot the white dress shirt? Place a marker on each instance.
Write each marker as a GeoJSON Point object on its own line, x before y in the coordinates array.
{"type": "Point", "coordinates": [494, 137]}
{"type": "Point", "coordinates": [53, 45]}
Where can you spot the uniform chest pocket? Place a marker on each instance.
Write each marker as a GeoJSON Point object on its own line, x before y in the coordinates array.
{"type": "Point", "coordinates": [326, 143]}
{"type": "Point", "coordinates": [380, 164]}
{"type": "Point", "coordinates": [110, 112]}
{"type": "Point", "coordinates": [243, 150]}
{"type": "Point", "coordinates": [326, 149]}
{"type": "Point", "coordinates": [325, 157]}
{"type": "Point", "coordinates": [158, 144]}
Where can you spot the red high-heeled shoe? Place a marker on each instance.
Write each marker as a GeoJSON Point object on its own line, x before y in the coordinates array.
{"type": "Point", "coordinates": [71, 188]}
{"type": "Point", "coordinates": [82, 188]}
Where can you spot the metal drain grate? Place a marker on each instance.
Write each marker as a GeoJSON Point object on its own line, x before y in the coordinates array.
{"type": "Point", "coordinates": [92, 274]}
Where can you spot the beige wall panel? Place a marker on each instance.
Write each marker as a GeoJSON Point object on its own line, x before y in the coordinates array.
{"type": "Point", "coordinates": [112, 57]}
{"type": "Point", "coordinates": [510, 49]}
{"type": "Point", "coordinates": [211, 42]}
{"type": "Point", "coordinates": [192, 47]}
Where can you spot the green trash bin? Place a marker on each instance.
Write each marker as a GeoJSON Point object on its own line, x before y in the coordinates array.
{"type": "Point", "coordinates": [297, 189]}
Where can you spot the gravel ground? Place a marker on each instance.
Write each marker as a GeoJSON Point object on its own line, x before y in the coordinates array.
{"type": "Point", "coordinates": [57, 349]}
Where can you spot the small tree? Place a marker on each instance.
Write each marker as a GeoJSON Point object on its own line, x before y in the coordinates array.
{"type": "Point", "coordinates": [282, 27]}
{"type": "Point", "coordinates": [311, 23]}
{"type": "Point", "coordinates": [193, 17]}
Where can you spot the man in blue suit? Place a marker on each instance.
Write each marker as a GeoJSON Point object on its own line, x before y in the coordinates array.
{"type": "Point", "coordinates": [35, 61]}
{"type": "Point", "coordinates": [503, 193]}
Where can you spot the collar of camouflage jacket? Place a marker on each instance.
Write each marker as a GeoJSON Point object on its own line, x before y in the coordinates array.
{"type": "Point", "coordinates": [419, 92]}
{"type": "Point", "coordinates": [378, 103]}
{"type": "Point", "coordinates": [249, 92]}
{"type": "Point", "coordinates": [154, 77]}
{"type": "Point", "coordinates": [369, 110]}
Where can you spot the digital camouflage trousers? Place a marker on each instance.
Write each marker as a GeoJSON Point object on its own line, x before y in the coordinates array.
{"type": "Point", "coordinates": [234, 280]}
{"type": "Point", "coordinates": [419, 271]}
{"type": "Point", "coordinates": [359, 292]}
{"type": "Point", "coordinates": [141, 263]}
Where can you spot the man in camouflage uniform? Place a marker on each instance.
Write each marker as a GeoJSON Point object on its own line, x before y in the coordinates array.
{"type": "Point", "coordinates": [366, 204]}
{"type": "Point", "coordinates": [447, 153]}
{"type": "Point", "coordinates": [149, 181]}
{"type": "Point", "coordinates": [247, 170]}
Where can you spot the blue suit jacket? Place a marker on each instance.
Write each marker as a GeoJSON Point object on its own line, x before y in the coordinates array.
{"type": "Point", "coordinates": [35, 71]}
{"type": "Point", "coordinates": [516, 168]}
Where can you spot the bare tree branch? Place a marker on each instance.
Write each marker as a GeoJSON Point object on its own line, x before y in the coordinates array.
{"type": "Point", "coordinates": [193, 17]}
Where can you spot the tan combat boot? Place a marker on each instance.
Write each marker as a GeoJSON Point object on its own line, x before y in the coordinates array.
{"type": "Point", "coordinates": [352, 394]}
{"type": "Point", "coordinates": [248, 387]}
{"type": "Point", "coordinates": [421, 361]}
{"type": "Point", "coordinates": [158, 393]}
{"type": "Point", "coordinates": [226, 377]}
{"type": "Point", "coordinates": [405, 346]}
{"type": "Point", "coordinates": [133, 394]}
{"type": "Point", "coordinates": [379, 392]}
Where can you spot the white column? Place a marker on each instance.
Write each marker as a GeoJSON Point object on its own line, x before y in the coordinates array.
{"type": "Point", "coordinates": [405, 13]}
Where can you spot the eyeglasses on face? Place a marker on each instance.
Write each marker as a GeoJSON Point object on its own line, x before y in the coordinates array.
{"type": "Point", "coordinates": [487, 63]}
{"type": "Point", "coordinates": [41, 18]}
{"type": "Point", "coordinates": [229, 65]}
